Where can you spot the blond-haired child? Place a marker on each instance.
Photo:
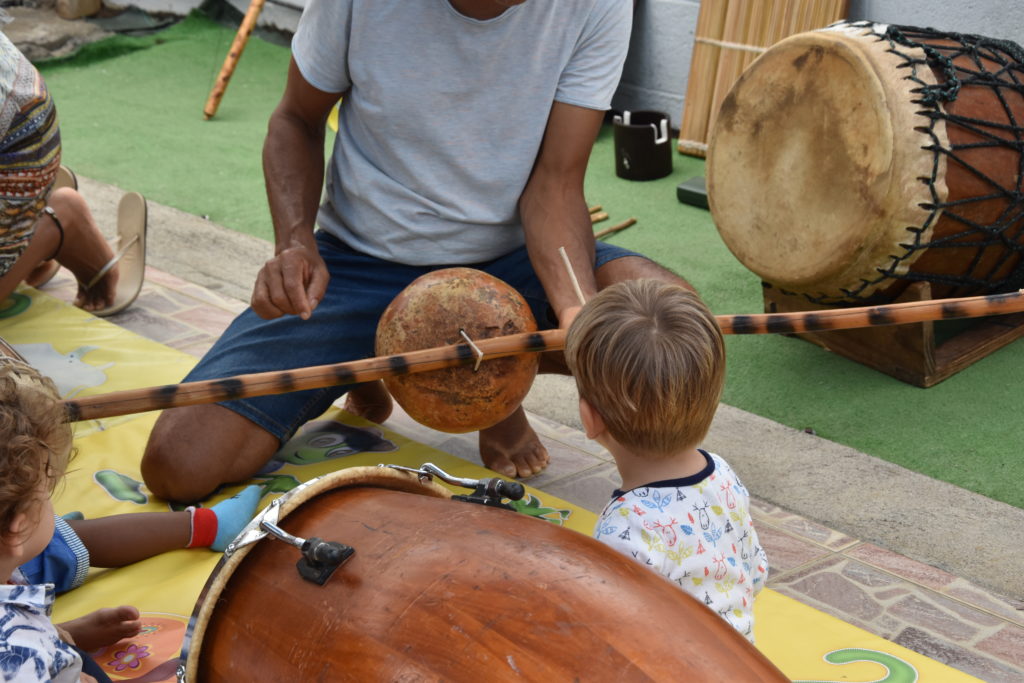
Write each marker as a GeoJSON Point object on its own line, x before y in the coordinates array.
{"type": "Point", "coordinates": [649, 363]}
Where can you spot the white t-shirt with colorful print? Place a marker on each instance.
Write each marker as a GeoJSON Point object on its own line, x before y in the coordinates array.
{"type": "Point", "coordinates": [697, 532]}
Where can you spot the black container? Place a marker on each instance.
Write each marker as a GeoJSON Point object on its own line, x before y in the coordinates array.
{"type": "Point", "coordinates": [642, 147]}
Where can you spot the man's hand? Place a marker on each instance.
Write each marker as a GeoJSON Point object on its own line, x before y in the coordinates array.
{"type": "Point", "coordinates": [291, 283]}
{"type": "Point", "coordinates": [567, 315]}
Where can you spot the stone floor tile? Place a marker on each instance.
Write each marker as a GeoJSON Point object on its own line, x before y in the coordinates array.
{"type": "Point", "coordinates": [208, 296]}
{"type": "Point", "coordinates": [197, 348]}
{"type": "Point", "coordinates": [1007, 644]}
{"type": "Point", "coordinates": [184, 301]}
{"type": "Point", "coordinates": [411, 429]}
{"type": "Point", "coordinates": [1001, 606]}
{"type": "Point", "coordinates": [565, 460]}
{"type": "Point", "coordinates": [785, 551]}
{"type": "Point", "coordinates": [206, 318]}
{"type": "Point", "coordinates": [968, 660]}
{"type": "Point", "coordinates": [873, 579]}
{"type": "Point", "coordinates": [914, 571]}
{"type": "Point", "coordinates": [165, 279]}
{"type": "Point", "coordinates": [590, 489]}
{"type": "Point", "coordinates": [928, 614]}
{"type": "Point", "coordinates": [150, 325]}
{"type": "Point", "coordinates": [157, 300]}
{"type": "Point", "coordinates": [799, 526]}
{"type": "Point", "coordinates": [840, 594]}
{"type": "Point", "coordinates": [569, 436]}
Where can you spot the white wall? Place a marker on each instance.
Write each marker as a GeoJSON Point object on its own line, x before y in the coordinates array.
{"type": "Point", "coordinates": [659, 57]}
{"type": "Point", "coordinates": [993, 18]}
{"type": "Point", "coordinates": [281, 14]}
{"type": "Point", "coordinates": [658, 64]}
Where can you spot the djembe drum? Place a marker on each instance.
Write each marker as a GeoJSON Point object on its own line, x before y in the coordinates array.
{"type": "Point", "coordinates": [848, 163]}
{"type": "Point", "coordinates": [439, 589]}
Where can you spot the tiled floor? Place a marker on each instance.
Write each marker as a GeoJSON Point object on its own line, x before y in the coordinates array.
{"type": "Point", "coordinates": [925, 609]}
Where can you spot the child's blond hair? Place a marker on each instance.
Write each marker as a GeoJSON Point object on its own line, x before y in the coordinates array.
{"type": "Point", "coordinates": [649, 357]}
{"type": "Point", "coordinates": [35, 438]}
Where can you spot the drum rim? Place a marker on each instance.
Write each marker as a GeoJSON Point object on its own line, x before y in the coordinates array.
{"type": "Point", "coordinates": [7, 349]}
{"type": "Point", "coordinates": [380, 476]}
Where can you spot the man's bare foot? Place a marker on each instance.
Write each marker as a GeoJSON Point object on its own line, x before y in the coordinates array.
{"type": "Point", "coordinates": [104, 627]}
{"type": "Point", "coordinates": [370, 401]}
{"type": "Point", "coordinates": [512, 448]}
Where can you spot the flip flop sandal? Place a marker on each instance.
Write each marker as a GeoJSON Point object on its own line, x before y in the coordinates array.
{"type": "Point", "coordinates": [65, 178]}
{"type": "Point", "coordinates": [130, 256]}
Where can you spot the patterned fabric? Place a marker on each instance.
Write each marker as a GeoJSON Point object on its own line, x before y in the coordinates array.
{"type": "Point", "coordinates": [30, 649]}
{"type": "Point", "coordinates": [697, 532]}
{"type": "Point", "coordinates": [64, 562]}
{"type": "Point", "coordinates": [29, 150]}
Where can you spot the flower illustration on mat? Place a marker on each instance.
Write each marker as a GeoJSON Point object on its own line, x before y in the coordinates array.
{"type": "Point", "coordinates": [129, 658]}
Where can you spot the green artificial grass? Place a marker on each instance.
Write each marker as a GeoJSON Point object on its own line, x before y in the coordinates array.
{"type": "Point", "coordinates": [131, 114]}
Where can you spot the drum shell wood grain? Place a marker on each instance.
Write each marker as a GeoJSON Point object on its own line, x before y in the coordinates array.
{"type": "Point", "coordinates": [447, 590]}
{"type": "Point", "coordinates": [430, 312]}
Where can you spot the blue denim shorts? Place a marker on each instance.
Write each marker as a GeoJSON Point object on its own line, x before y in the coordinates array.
{"type": "Point", "coordinates": [342, 328]}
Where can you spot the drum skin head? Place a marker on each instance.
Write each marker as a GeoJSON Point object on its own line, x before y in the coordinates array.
{"type": "Point", "coordinates": [814, 163]}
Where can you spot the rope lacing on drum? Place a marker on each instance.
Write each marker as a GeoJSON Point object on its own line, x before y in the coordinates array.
{"type": "Point", "coordinates": [1006, 230]}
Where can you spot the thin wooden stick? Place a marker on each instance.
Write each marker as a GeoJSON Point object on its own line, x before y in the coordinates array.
{"type": "Point", "coordinates": [354, 372]}
{"type": "Point", "coordinates": [615, 228]}
{"type": "Point", "coordinates": [572, 276]}
{"type": "Point", "coordinates": [234, 54]}
{"type": "Point", "coordinates": [595, 208]}
{"type": "Point", "coordinates": [598, 216]}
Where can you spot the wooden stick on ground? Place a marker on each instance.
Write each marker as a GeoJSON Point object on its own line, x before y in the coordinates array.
{"type": "Point", "coordinates": [595, 208]}
{"type": "Point", "coordinates": [231, 61]}
{"type": "Point", "coordinates": [615, 228]}
{"type": "Point", "coordinates": [598, 216]}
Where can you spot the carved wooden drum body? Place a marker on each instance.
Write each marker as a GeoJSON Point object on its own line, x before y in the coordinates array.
{"type": "Point", "coordinates": [439, 589]}
{"type": "Point", "coordinates": [850, 162]}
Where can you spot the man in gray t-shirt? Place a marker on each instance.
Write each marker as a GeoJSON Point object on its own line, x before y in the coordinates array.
{"type": "Point", "coordinates": [465, 127]}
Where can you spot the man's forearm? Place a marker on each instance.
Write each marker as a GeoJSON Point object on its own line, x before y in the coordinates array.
{"type": "Point", "coordinates": [555, 215]}
{"type": "Point", "coordinates": [293, 169]}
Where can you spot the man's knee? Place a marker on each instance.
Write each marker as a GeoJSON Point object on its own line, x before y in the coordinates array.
{"type": "Point", "coordinates": [193, 450]}
{"type": "Point", "coordinates": [165, 466]}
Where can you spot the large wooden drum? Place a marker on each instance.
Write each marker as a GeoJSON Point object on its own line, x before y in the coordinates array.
{"type": "Point", "coordinates": [848, 163]}
{"type": "Point", "coordinates": [439, 589]}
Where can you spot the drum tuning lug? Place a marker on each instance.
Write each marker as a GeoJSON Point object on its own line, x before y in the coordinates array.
{"type": "Point", "coordinates": [319, 557]}
{"type": "Point", "coordinates": [485, 491]}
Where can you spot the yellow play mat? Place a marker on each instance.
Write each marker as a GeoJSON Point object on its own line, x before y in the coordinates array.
{"type": "Point", "coordinates": [86, 356]}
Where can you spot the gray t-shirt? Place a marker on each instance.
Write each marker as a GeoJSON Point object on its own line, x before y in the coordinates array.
{"type": "Point", "coordinates": [445, 114]}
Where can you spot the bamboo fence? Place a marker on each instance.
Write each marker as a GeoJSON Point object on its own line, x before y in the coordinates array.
{"type": "Point", "coordinates": [730, 35]}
